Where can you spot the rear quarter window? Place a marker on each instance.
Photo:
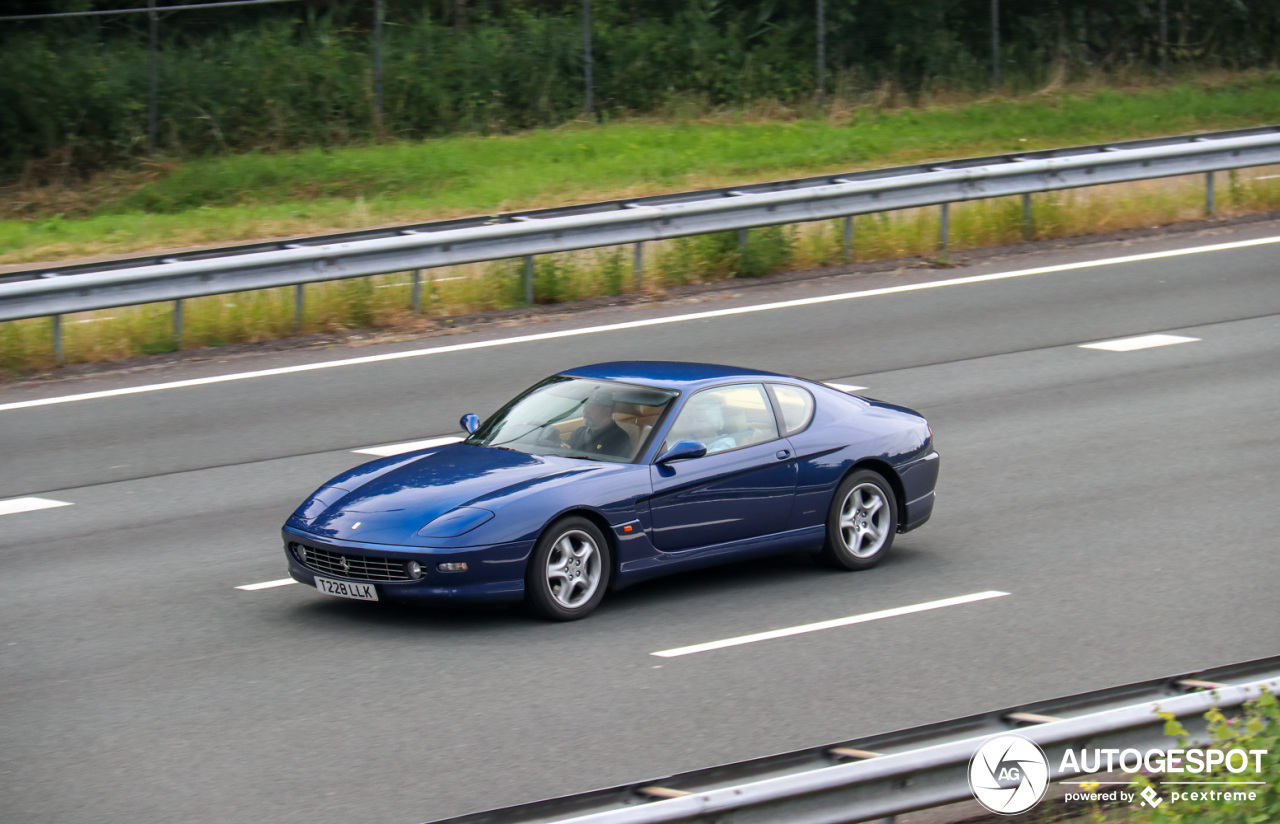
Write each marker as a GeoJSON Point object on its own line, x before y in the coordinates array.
{"type": "Point", "coordinates": [796, 405]}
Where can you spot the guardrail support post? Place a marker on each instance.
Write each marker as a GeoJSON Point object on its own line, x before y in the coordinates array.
{"type": "Point", "coordinates": [848, 239]}
{"type": "Point", "coordinates": [1210, 207]}
{"type": "Point", "coordinates": [944, 229]}
{"type": "Point", "coordinates": [59, 357]}
{"type": "Point", "coordinates": [637, 265]}
{"type": "Point", "coordinates": [416, 299]}
{"type": "Point", "coordinates": [528, 279]}
{"type": "Point", "coordinates": [299, 303]}
{"type": "Point", "coordinates": [177, 323]}
{"type": "Point", "coordinates": [1028, 219]}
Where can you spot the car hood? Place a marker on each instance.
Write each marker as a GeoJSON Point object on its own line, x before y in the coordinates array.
{"type": "Point", "coordinates": [389, 501]}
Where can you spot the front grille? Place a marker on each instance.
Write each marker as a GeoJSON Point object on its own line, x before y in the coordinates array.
{"type": "Point", "coordinates": [357, 567]}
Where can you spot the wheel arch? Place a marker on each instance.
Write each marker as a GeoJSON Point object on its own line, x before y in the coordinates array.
{"type": "Point", "coordinates": [602, 524]}
{"type": "Point", "coordinates": [886, 471]}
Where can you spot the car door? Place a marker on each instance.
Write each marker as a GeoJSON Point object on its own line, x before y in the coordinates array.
{"type": "Point", "coordinates": [742, 488]}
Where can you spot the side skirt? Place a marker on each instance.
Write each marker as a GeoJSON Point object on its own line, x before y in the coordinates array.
{"type": "Point", "coordinates": [663, 563]}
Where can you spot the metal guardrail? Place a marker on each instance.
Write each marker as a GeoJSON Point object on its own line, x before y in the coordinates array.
{"type": "Point", "coordinates": [615, 205]}
{"type": "Point", "coordinates": [151, 279]}
{"type": "Point", "coordinates": [900, 772]}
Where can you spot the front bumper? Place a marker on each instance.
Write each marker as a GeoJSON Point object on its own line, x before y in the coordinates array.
{"type": "Point", "coordinates": [494, 573]}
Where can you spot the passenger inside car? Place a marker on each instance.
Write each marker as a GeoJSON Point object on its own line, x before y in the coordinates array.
{"type": "Point", "coordinates": [724, 419]}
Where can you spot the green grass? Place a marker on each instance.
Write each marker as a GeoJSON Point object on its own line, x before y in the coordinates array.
{"type": "Point", "coordinates": [257, 195]}
{"type": "Point", "coordinates": [249, 197]}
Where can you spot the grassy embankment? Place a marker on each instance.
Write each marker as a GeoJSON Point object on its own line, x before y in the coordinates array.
{"type": "Point", "coordinates": [229, 199]}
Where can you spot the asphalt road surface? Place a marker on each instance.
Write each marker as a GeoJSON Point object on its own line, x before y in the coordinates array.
{"type": "Point", "coordinates": [1125, 501]}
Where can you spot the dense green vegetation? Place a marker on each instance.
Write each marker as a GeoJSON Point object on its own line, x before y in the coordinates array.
{"type": "Point", "coordinates": [73, 92]}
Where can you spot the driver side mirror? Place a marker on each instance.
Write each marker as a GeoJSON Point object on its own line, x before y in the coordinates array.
{"type": "Point", "coordinates": [683, 451]}
{"type": "Point", "coordinates": [470, 422]}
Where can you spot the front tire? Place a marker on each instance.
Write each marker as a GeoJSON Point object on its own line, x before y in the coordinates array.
{"type": "Point", "coordinates": [568, 571]}
{"type": "Point", "coordinates": [861, 521]}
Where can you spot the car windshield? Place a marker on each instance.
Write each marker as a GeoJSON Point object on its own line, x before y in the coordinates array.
{"type": "Point", "coordinates": [577, 418]}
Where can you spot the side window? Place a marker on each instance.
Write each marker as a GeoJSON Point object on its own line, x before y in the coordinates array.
{"type": "Point", "coordinates": [796, 405]}
{"type": "Point", "coordinates": [726, 418]}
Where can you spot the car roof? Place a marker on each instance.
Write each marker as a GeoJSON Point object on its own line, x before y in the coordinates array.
{"type": "Point", "coordinates": [670, 374]}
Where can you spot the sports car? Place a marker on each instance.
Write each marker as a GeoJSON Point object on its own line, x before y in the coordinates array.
{"type": "Point", "coordinates": [605, 475]}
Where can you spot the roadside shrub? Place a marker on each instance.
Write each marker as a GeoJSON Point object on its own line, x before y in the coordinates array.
{"type": "Point", "coordinates": [1258, 727]}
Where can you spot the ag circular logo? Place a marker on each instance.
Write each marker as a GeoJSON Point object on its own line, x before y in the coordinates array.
{"type": "Point", "coordinates": [1009, 774]}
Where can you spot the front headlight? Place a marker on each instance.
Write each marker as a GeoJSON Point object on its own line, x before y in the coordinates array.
{"type": "Point", "coordinates": [456, 522]}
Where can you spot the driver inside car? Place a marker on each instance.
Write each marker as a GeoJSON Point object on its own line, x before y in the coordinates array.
{"type": "Point", "coordinates": [600, 434]}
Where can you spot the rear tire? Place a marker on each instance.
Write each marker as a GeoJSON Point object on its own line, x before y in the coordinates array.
{"type": "Point", "coordinates": [861, 521]}
{"type": "Point", "coordinates": [568, 571]}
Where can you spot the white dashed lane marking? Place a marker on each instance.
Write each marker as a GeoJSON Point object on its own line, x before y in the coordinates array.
{"type": "Point", "coordinates": [821, 625]}
{"type": "Point", "coordinates": [1140, 342]}
{"type": "Point", "coordinates": [15, 505]}
{"type": "Point", "coordinates": [401, 448]}
{"type": "Point", "coordinates": [268, 584]}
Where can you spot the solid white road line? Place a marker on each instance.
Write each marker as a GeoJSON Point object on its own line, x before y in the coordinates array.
{"type": "Point", "coordinates": [268, 584]}
{"type": "Point", "coordinates": [637, 324]}
{"type": "Point", "coordinates": [401, 448]}
{"type": "Point", "coordinates": [1140, 342]}
{"type": "Point", "coordinates": [16, 505]}
{"type": "Point", "coordinates": [836, 622]}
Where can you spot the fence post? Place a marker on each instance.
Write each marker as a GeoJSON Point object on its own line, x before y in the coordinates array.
{"type": "Point", "coordinates": [1210, 204]}
{"type": "Point", "coordinates": [995, 45]}
{"type": "Point", "coordinates": [848, 239]}
{"type": "Point", "coordinates": [378, 14]}
{"type": "Point", "coordinates": [822, 55]}
{"type": "Point", "coordinates": [528, 279]}
{"type": "Point", "coordinates": [153, 75]}
{"type": "Point", "coordinates": [588, 105]}
{"type": "Point", "coordinates": [1164, 39]}
{"type": "Point", "coordinates": [637, 265]}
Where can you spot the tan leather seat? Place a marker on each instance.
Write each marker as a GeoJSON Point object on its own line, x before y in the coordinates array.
{"type": "Point", "coordinates": [633, 432]}
{"type": "Point", "coordinates": [636, 432]}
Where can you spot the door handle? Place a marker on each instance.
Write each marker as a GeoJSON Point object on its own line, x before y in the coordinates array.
{"type": "Point", "coordinates": [783, 454]}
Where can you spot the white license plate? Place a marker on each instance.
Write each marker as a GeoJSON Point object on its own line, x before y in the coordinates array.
{"type": "Point", "coordinates": [347, 589]}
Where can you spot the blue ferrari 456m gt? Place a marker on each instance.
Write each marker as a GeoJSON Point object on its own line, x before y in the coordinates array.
{"type": "Point", "coordinates": [606, 475]}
